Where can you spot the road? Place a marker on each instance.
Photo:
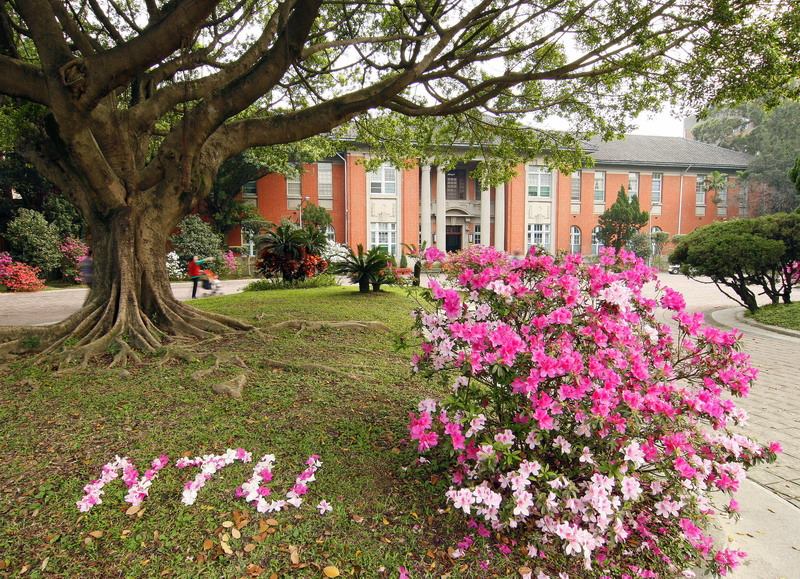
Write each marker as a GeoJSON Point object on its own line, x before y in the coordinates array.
{"type": "Point", "coordinates": [48, 307]}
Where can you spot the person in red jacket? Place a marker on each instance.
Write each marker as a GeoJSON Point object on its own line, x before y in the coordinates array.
{"type": "Point", "coordinates": [195, 271]}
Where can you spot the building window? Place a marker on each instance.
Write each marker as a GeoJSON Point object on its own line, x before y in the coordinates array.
{"type": "Point", "coordinates": [478, 190]}
{"type": "Point", "coordinates": [599, 186]}
{"type": "Point", "coordinates": [575, 187]}
{"type": "Point", "coordinates": [325, 180]}
{"type": "Point", "coordinates": [384, 234]}
{"type": "Point", "coordinates": [293, 192]}
{"type": "Point", "coordinates": [540, 181]}
{"type": "Point", "coordinates": [330, 234]}
{"type": "Point", "coordinates": [658, 183]}
{"type": "Point", "coordinates": [249, 190]}
{"type": "Point", "coordinates": [633, 185]}
{"type": "Point", "coordinates": [700, 191]}
{"type": "Point", "coordinates": [722, 195]}
{"type": "Point", "coordinates": [743, 201]}
{"type": "Point", "coordinates": [596, 244]}
{"type": "Point", "coordinates": [476, 234]}
{"type": "Point", "coordinates": [539, 234]}
{"type": "Point", "coordinates": [250, 194]}
{"type": "Point", "coordinates": [455, 184]}
{"type": "Point", "coordinates": [574, 239]}
{"type": "Point", "coordinates": [383, 181]}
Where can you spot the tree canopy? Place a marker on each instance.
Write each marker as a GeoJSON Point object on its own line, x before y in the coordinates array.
{"type": "Point", "coordinates": [771, 135]}
{"type": "Point", "coordinates": [620, 222]}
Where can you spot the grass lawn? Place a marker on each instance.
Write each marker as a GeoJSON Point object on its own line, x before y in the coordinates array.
{"type": "Point", "coordinates": [57, 431]}
{"type": "Point", "coordinates": [783, 315]}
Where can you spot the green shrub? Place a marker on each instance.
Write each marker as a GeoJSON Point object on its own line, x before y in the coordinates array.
{"type": "Point", "coordinates": [324, 280]}
{"type": "Point", "coordinates": [733, 257]}
{"type": "Point", "coordinates": [196, 237]}
{"type": "Point", "coordinates": [34, 241]}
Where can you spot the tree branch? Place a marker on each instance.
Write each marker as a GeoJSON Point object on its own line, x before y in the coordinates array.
{"type": "Point", "coordinates": [22, 80]}
{"type": "Point", "coordinates": [119, 65]}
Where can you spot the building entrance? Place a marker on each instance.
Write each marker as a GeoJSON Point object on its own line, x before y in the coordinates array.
{"type": "Point", "coordinates": [453, 238]}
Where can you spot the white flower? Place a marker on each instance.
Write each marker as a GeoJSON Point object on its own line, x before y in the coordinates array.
{"type": "Point", "coordinates": [324, 507]}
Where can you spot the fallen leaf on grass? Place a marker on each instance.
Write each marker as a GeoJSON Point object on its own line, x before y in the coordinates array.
{"type": "Point", "coordinates": [294, 555]}
{"type": "Point", "coordinates": [226, 548]}
{"type": "Point", "coordinates": [250, 547]}
{"type": "Point", "coordinates": [45, 561]}
{"type": "Point", "coordinates": [331, 571]}
{"type": "Point", "coordinates": [133, 510]}
{"type": "Point", "coordinates": [357, 519]}
{"type": "Point", "coordinates": [208, 544]}
{"type": "Point", "coordinates": [235, 533]}
{"type": "Point", "coordinates": [96, 534]}
{"type": "Point", "coordinates": [272, 522]}
{"type": "Point", "coordinates": [227, 524]}
{"type": "Point", "coordinates": [254, 570]}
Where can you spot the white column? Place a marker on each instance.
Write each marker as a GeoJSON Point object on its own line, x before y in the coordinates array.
{"type": "Point", "coordinates": [425, 205]}
{"type": "Point", "coordinates": [486, 216]}
{"type": "Point", "coordinates": [441, 210]}
{"type": "Point", "coordinates": [499, 217]}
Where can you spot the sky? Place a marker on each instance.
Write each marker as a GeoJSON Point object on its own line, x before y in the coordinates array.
{"type": "Point", "coordinates": [663, 124]}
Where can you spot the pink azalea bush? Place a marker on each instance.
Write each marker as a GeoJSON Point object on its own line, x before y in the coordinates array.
{"type": "Point", "coordinates": [5, 261]}
{"type": "Point", "coordinates": [72, 253]}
{"type": "Point", "coordinates": [230, 261]}
{"type": "Point", "coordinates": [580, 428]}
{"type": "Point", "coordinates": [21, 277]}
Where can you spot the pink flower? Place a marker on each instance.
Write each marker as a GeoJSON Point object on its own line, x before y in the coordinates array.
{"type": "Point", "coordinates": [324, 507]}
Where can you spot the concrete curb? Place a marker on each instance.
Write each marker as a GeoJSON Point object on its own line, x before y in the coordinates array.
{"type": "Point", "coordinates": [741, 317]}
{"type": "Point", "coordinates": [714, 315]}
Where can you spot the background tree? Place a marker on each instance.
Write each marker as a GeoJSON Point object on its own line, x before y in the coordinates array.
{"type": "Point", "coordinates": [771, 135]}
{"type": "Point", "coordinates": [620, 222]}
{"type": "Point", "coordinates": [735, 255]}
{"type": "Point", "coordinates": [196, 237]}
{"type": "Point", "coordinates": [316, 217]}
{"type": "Point", "coordinates": [131, 108]}
{"type": "Point", "coordinates": [224, 208]}
{"type": "Point", "coordinates": [22, 186]}
{"type": "Point", "coordinates": [33, 240]}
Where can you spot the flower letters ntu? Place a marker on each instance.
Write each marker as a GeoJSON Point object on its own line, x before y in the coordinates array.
{"type": "Point", "coordinates": [254, 491]}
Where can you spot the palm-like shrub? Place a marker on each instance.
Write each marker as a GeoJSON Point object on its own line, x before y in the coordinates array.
{"type": "Point", "coordinates": [363, 268]}
{"type": "Point", "coordinates": [291, 253]}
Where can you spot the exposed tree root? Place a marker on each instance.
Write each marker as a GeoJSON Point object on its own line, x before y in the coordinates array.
{"type": "Point", "coordinates": [315, 325]}
{"type": "Point", "coordinates": [176, 354]}
{"type": "Point", "coordinates": [232, 387]}
{"type": "Point", "coordinates": [119, 328]}
{"type": "Point", "coordinates": [235, 360]}
{"type": "Point", "coordinates": [309, 366]}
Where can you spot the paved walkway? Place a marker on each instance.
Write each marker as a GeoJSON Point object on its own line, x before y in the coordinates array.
{"type": "Point", "coordinates": [48, 307]}
{"type": "Point", "coordinates": [769, 527]}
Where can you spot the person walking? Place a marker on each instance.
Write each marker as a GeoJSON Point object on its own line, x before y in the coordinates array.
{"type": "Point", "coordinates": [86, 267]}
{"type": "Point", "coordinates": [196, 272]}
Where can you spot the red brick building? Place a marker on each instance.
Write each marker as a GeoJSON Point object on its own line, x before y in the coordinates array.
{"type": "Point", "coordinates": [390, 206]}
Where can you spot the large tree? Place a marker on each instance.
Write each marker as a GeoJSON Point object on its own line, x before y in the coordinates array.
{"type": "Point", "coordinates": [131, 107]}
{"type": "Point", "coordinates": [772, 135]}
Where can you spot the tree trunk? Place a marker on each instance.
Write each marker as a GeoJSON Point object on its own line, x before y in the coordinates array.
{"type": "Point", "coordinates": [130, 307]}
{"type": "Point", "coordinates": [363, 285]}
